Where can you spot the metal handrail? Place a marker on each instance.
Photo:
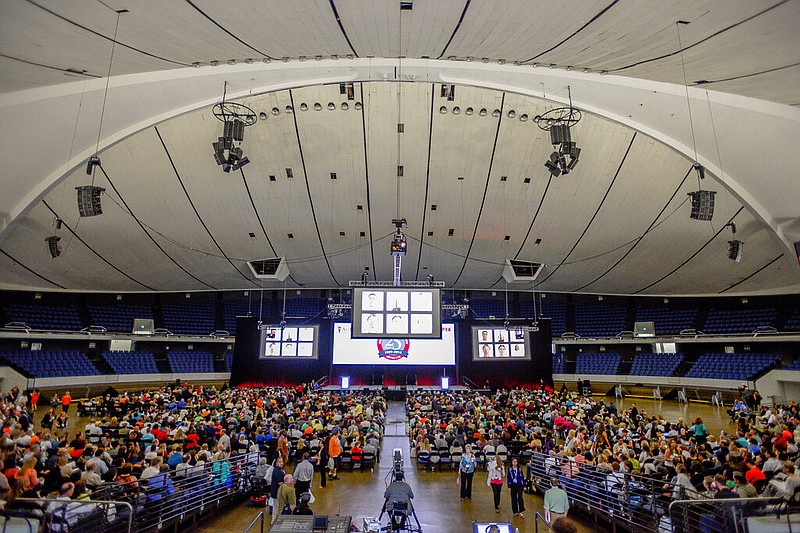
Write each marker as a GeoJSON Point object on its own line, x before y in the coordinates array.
{"type": "Point", "coordinates": [722, 515]}
{"type": "Point", "coordinates": [259, 516]}
{"type": "Point", "coordinates": [57, 515]}
{"type": "Point", "coordinates": [544, 521]}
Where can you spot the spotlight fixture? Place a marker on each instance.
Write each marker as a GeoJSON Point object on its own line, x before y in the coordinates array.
{"type": "Point", "coordinates": [702, 205]}
{"type": "Point", "coordinates": [89, 200]}
{"type": "Point", "coordinates": [53, 246]}
{"type": "Point", "coordinates": [93, 161]}
{"type": "Point", "coordinates": [304, 107]}
{"type": "Point", "coordinates": [558, 122]}
{"type": "Point", "coordinates": [235, 118]}
{"type": "Point", "coordinates": [262, 116]}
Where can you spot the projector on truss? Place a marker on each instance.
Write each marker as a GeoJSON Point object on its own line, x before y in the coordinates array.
{"type": "Point", "coordinates": [399, 244]}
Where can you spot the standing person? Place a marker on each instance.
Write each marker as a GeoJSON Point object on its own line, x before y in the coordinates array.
{"type": "Point", "coordinates": [283, 447]}
{"type": "Point", "coordinates": [335, 453]}
{"type": "Point", "coordinates": [34, 400]}
{"type": "Point", "coordinates": [516, 482]}
{"type": "Point", "coordinates": [323, 461]}
{"type": "Point", "coordinates": [466, 471]}
{"type": "Point", "coordinates": [278, 473]}
{"type": "Point", "coordinates": [700, 431]}
{"type": "Point", "coordinates": [65, 401]}
{"type": "Point", "coordinates": [556, 502]}
{"type": "Point", "coordinates": [495, 480]}
{"type": "Point", "coordinates": [303, 474]}
{"type": "Point", "coordinates": [286, 499]}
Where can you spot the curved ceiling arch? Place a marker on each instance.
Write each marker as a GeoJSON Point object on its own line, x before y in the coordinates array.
{"type": "Point", "coordinates": [743, 125]}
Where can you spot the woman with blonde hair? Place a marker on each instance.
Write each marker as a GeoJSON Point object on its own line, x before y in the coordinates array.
{"type": "Point", "coordinates": [495, 480]}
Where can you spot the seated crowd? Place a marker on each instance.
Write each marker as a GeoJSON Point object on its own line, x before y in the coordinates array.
{"type": "Point", "coordinates": [582, 441]}
{"type": "Point", "coordinates": [151, 447]}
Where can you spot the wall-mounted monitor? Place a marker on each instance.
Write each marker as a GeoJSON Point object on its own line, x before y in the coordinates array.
{"type": "Point", "coordinates": [297, 342]}
{"type": "Point", "coordinates": [502, 344]}
{"type": "Point", "coordinates": [393, 351]}
{"type": "Point", "coordinates": [414, 313]}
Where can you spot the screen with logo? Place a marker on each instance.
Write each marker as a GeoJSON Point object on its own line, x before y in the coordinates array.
{"type": "Point", "coordinates": [393, 350]}
{"type": "Point", "coordinates": [289, 341]}
{"type": "Point", "coordinates": [499, 343]}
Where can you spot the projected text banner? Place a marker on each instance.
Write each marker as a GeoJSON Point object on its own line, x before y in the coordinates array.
{"type": "Point", "coordinates": [393, 351]}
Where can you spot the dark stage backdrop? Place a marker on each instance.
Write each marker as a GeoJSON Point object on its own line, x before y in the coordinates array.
{"type": "Point", "coordinates": [249, 370]}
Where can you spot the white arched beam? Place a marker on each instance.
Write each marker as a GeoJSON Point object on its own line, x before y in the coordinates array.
{"type": "Point", "coordinates": [748, 144]}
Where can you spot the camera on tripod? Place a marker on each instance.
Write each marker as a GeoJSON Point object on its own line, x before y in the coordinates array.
{"type": "Point", "coordinates": [397, 459]}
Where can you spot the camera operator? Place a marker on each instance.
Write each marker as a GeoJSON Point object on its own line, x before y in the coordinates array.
{"type": "Point", "coordinates": [398, 494]}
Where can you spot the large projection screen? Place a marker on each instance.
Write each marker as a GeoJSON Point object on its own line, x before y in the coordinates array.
{"type": "Point", "coordinates": [393, 351]}
{"type": "Point", "coordinates": [296, 342]}
{"type": "Point", "coordinates": [500, 344]}
{"type": "Point", "coordinates": [414, 313]}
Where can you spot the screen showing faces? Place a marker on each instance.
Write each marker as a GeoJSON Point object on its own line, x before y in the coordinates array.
{"type": "Point", "coordinates": [380, 311]}
{"type": "Point", "coordinates": [500, 343]}
{"type": "Point", "coordinates": [389, 350]}
{"type": "Point", "coordinates": [289, 341]}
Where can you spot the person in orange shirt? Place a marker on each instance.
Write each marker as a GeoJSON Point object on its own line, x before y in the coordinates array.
{"type": "Point", "coordinates": [335, 453]}
{"type": "Point", "coordinates": [65, 401]}
{"type": "Point", "coordinates": [283, 447]}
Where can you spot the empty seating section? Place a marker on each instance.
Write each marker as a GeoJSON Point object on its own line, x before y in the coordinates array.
{"type": "Point", "coordinates": [558, 364]}
{"type": "Point", "coordinates": [191, 362]}
{"type": "Point", "coordinates": [738, 320]}
{"type": "Point", "coordinates": [190, 318]}
{"type": "Point", "coordinates": [794, 365]}
{"type": "Point", "coordinates": [556, 312]}
{"type": "Point", "coordinates": [793, 322]}
{"type": "Point", "coordinates": [228, 361]}
{"type": "Point", "coordinates": [42, 316]}
{"type": "Point", "coordinates": [597, 321]}
{"type": "Point", "coordinates": [237, 308]}
{"type": "Point", "coordinates": [304, 307]}
{"type": "Point", "coordinates": [598, 363]}
{"type": "Point", "coordinates": [131, 362]}
{"type": "Point", "coordinates": [656, 364]}
{"type": "Point", "coordinates": [51, 364]}
{"type": "Point", "coordinates": [118, 317]}
{"type": "Point", "coordinates": [738, 366]}
{"type": "Point", "coordinates": [667, 321]}
{"type": "Point", "coordinates": [488, 308]}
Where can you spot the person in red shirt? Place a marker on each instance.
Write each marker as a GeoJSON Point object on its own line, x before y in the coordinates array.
{"type": "Point", "coordinates": [34, 400]}
{"type": "Point", "coordinates": [753, 473]}
{"type": "Point", "coordinates": [65, 401]}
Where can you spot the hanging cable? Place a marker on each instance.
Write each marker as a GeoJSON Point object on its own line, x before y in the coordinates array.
{"type": "Point", "coordinates": [686, 88]}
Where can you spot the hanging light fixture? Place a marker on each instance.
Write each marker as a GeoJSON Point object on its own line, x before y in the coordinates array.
{"type": "Point", "coordinates": [235, 118]}
{"type": "Point", "coordinates": [559, 122]}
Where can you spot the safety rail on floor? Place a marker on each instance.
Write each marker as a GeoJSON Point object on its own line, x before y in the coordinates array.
{"type": "Point", "coordinates": [61, 515]}
{"type": "Point", "coordinates": [182, 497]}
{"type": "Point", "coordinates": [260, 519]}
{"type": "Point", "coordinates": [631, 502]}
{"type": "Point", "coordinates": [539, 518]}
{"type": "Point", "coordinates": [729, 515]}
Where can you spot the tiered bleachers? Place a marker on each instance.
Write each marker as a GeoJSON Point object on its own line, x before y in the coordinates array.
{"type": "Point", "coordinates": [556, 312]}
{"type": "Point", "coordinates": [304, 307]}
{"type": "Point", "coordinates": [794, 365]}
{"type": "Point", "coordinates": [738, 366]}
{"type": "Point", "coordinates": [118, 317]}
{"type": "Point", "coordinates": [558, 363]}
{"type": "Point", "coordinates": [656, 364]}
{"type": "Point", "coordinates": [738, 320]}
{"type": "Point", "coordinates": [191, 362]}
{"type": "Point", "coordinates": [793, 322]}
{"type": "Point", "coordinates": [236, 308]}
{"type": "Point", "coordinates": [190, 318]}
{"type": "Point", "coordinates": [599, 321]}
{"type": "Point", "coordinates": [598, 363]}
{"type": "Point", "coordinates": [42, 316]}
{"type": "Point", "coordinates": [51, 364]}
{"type": "Point", "coordinates": [487, 308]}
{"type": "Point", "coordinates": [131, 362]}
{"type": "Point", "coordinates": [667, 321]}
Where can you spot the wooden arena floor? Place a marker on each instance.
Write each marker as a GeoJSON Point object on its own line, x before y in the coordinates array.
{"type": "Point", "coordinates": [437, 501]}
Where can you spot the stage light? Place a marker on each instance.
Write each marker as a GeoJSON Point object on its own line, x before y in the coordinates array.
{"type": "Point", "coordinates": [235, 118]}
{"type": "Point", "coordinates": [89, 200]}
{"type": "Point", "coordinates": [53, 247]}
{"type": "Point", "coordinates": [93, 161]}
{"type": "Point", "coordinates": [559, 122]}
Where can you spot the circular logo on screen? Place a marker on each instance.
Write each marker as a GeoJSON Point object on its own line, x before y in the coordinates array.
{"type": "Point", "coordinates": [393, 349]}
